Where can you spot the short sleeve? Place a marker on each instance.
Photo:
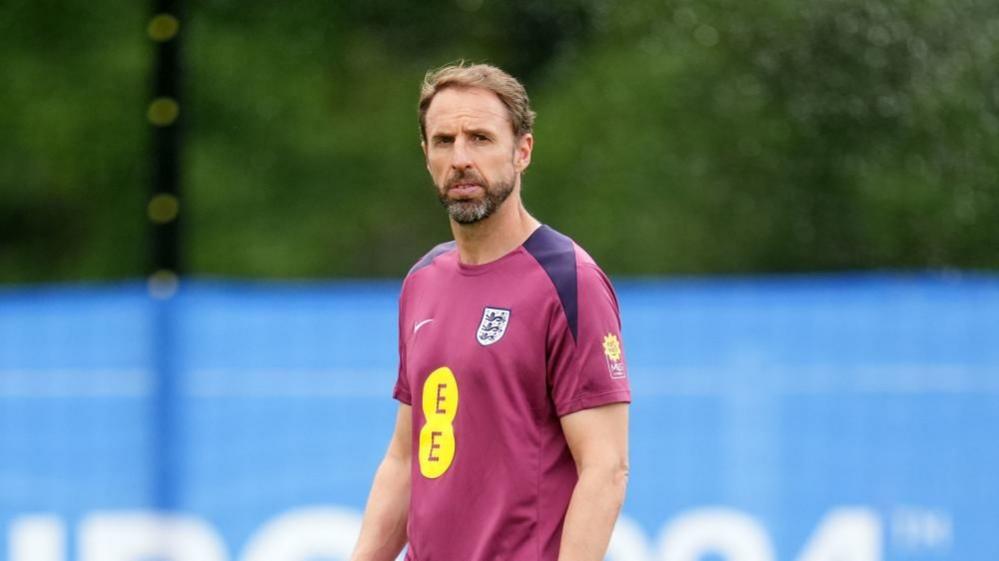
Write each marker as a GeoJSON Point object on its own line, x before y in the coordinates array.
{"type": "Point", "coordinates": [588, 369]}
{"type": "Point", "coordinates": [401, 391]}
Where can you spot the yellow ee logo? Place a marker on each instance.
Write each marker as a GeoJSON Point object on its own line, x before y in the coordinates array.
{"type": "Point", "coordinates": [440, 403]}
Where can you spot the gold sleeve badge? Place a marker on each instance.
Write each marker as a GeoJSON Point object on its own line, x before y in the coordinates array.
{"type": "Point", "coordinates": [612, 351]}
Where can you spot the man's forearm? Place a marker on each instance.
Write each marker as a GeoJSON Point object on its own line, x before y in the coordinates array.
{"type": "Point", "coordinates": [383, 530]}
{"type": "Point", "coordinates": [593, 510]}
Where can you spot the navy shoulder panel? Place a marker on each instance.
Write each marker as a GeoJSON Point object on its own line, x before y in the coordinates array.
{"type": "Point", "coordinates": [432, 254]}
{"type": "Point", "coordinates": [557, 256]}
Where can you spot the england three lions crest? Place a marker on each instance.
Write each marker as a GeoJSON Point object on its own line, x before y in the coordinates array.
{"type": "Point", "coordinates": [493, 325]}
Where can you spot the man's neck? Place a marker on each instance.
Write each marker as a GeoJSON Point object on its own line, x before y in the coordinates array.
{"type": "Point", "coordinates": [489, 239]}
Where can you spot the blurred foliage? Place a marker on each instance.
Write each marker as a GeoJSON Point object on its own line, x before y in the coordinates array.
{"type": "Point", "coordinates": [673, 137]}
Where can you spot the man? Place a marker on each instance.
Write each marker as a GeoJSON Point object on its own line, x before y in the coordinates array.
{"type": "Point", "coordinates": [511, 441]}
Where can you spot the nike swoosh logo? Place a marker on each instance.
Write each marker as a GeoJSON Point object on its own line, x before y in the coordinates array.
{"type": "Point", "coordinates": [420, 324]}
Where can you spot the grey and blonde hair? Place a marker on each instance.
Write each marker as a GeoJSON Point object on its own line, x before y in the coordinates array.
{"type": "Point", "coordinates": [485, 76]}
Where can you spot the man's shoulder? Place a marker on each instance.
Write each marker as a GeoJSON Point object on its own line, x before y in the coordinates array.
{"type": "Point", "coordinates": [557, 253]}
{"type": "Point", "coordinates": [551, 248]}
{"type": "Point", "coordinates": [568, 266]}
{"type": "Point", "coordinates": [428, 259]}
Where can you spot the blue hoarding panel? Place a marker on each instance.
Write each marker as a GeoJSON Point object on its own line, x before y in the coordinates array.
{"type": "Point", "coordinates": [803, 418]}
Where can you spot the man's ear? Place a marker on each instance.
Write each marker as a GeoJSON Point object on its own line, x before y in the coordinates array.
{"type": "Point", "coordinates": [426, 161]}
{"type": "Point", "coordinates": [522, 152]}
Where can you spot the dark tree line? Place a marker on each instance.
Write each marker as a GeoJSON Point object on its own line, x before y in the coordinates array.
{"type": "Point", "coordinates": [673, 137]}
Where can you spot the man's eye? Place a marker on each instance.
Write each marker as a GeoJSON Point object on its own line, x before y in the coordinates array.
{"type": "Point", "coordinates": [444, 141]}
{"type": "Point", "coordinates": [481, 138]}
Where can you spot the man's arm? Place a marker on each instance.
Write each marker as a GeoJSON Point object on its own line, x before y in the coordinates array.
{"type": "Point", "coordinates": [383, 530]}
{"type": "Point", "coordinates": [598, 439]}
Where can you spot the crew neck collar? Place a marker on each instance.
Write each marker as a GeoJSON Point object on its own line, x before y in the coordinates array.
{"type": "Point", "coordinates": [482, 268]}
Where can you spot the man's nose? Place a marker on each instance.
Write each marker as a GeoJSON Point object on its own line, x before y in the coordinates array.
{"type": "Point", "coordinates": [460, 157]}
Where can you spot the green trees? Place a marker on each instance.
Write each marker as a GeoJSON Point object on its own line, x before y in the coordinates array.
{"type": "Point", "coordinates": [672, 137]}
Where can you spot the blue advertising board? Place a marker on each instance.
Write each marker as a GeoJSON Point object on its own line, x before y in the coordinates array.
{"type": "Point", "coordinates": [774, 419]}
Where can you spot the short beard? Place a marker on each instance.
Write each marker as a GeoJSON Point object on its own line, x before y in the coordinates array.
{"type": "Point", "coordinates": [472, 211]}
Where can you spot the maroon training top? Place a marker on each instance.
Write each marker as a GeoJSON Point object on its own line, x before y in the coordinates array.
{"type": "Point", "coordinates": [493, 355]}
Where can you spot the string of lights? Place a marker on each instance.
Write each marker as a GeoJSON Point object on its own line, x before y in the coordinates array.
{"type": "Point", "coordinates": [164, 115]}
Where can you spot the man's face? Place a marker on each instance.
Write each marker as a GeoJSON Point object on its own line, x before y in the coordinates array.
{"type": "Point", "coordinates": [472, 154]}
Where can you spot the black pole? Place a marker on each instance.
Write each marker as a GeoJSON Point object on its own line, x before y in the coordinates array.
{"type": "Point", "coordinates": [163, 210]}
{"type": "Point", "coordinates": [165, 115]}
